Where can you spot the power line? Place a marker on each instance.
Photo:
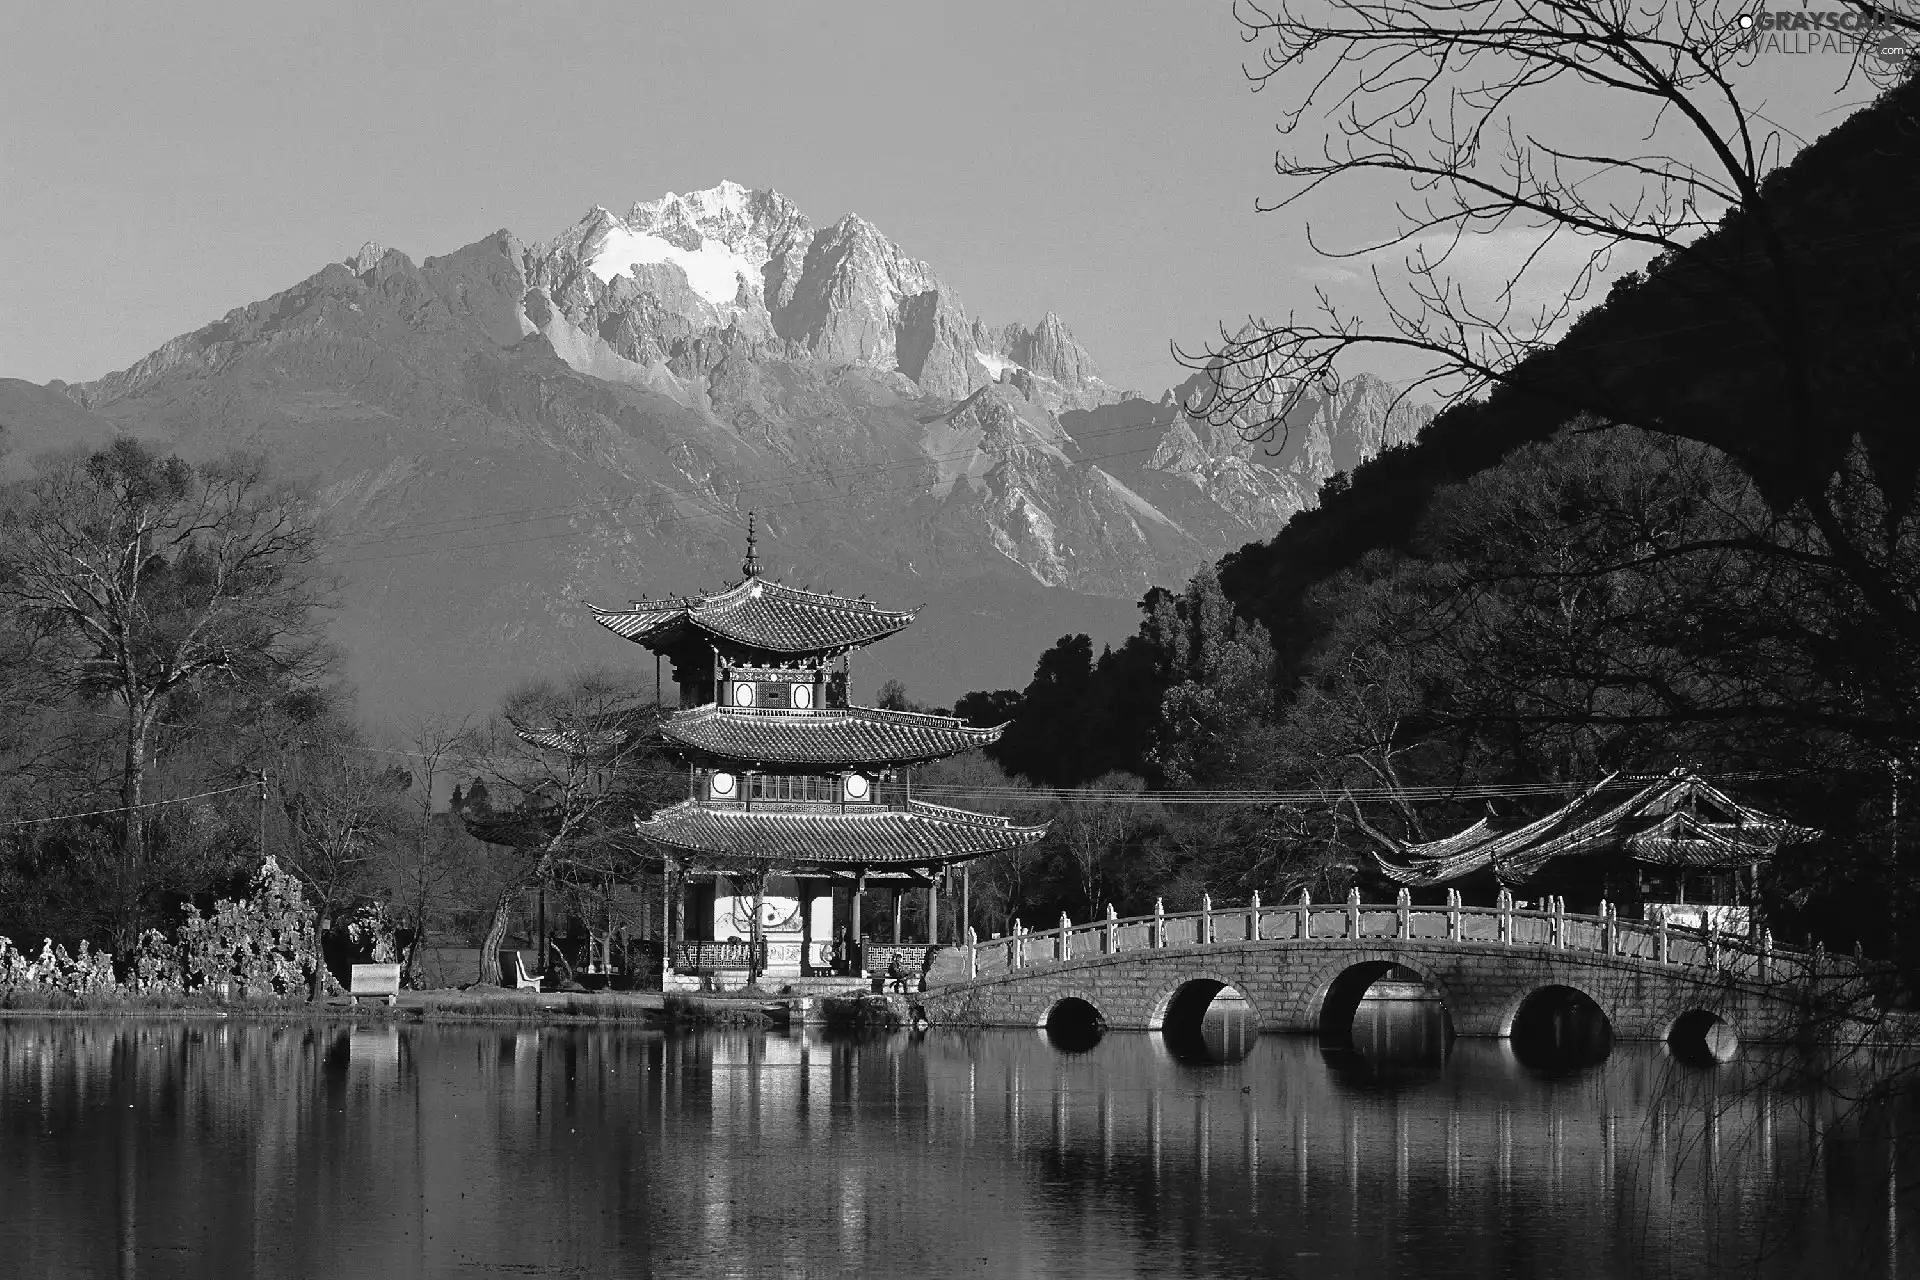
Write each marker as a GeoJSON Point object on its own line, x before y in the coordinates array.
{"type": "Point", "coordinates": [1318, 795]}
{"type": "Point", "coordinates": [152, 804]}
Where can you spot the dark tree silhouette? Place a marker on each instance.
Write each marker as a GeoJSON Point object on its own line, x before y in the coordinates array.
{"type": "Point", "coordinates": [1737, 336]}
{"type": "Point", "coordinates": [149, 577]}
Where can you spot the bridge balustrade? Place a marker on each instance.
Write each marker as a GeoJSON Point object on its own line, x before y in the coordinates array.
{"type": "Point", "coordinates": [1503, 925]}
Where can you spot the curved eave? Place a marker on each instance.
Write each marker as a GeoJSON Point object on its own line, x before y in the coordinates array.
{"type": "Point", "coordinates": [836, 738]}
{"type": "Point", "coordinates": [511, 829]}
{"type": "Point", "coordinates": [760, 615]}
{"type": "Point", "coordinates": [923, 835]}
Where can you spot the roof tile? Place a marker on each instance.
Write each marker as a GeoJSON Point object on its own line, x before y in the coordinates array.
{"type": "Point", "coordinates": [919, 835]}
{"type": "Point", "coordinates": [830, 737]}
{"type": "Point", "coordinates": [760, 614]}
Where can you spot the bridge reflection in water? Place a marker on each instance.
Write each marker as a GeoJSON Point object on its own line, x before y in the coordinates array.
{"type": "Point", "coordinates": [430, 1151]}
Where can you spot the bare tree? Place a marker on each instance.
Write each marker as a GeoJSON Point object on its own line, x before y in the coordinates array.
{"type": "Point", "coordinates": [1090, 831]}
{"type": "Point", "coordinates": [344, 809]}
{"type": "Point", "coordinates": [429, 864]}
{"type": "Point", "coordinates": [573, 764]}
{"type": "Point", "coordinates": [1738, 334]}
{"type": "Point", "coordinates": [149, 577]}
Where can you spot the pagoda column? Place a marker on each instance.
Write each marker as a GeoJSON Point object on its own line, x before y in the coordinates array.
{"type": "Point", "coordinates": [859, 943]}
{"type": "Point", "coordinates": [933, 910]}
{"type": "Point", "coordinates": [899, 901]}
{"type": "Point", "coordinates": [756, 936]}
{"type": "Point", "coordinates": [966, 903]}
{"type": "Point", "coordinates": [666, 917]}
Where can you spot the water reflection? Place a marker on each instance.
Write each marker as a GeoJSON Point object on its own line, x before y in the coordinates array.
{"type": "Point", "coordinates": [1074, 1026]}
{"type": "Point", "coordinates": [1396, 1040]}
{"type": "Point", "coordinates": [250, 1149]}
{"type": "Point", "coordinates": [1558, 1030]}
{"type": "Point", "coordinates": [1208, 1023]}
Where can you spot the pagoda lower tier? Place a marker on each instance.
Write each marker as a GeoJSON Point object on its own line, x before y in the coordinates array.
{"type": "Point", "coordinates": [776, 888]}
{"type": "Point", "coordinates": [793, 836]}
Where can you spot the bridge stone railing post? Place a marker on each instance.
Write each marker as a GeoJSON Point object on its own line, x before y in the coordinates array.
{"type": "Point", "coordinates": [1206, 919]}
{"type": "Point", "coordinates": [1016, 945]}
{"type": "Point", "coordinates": [1159, 922]}
{"type": "Point", "coordinates": [1819, 956]}
{"type": "Point", "coordinates": [1606, 929]}
{"type": "Point", "coordinates": [1660, 939]}
{"type": "Point", "coordinates": [1766, 955]}
{"type": "Point", "coordinates": [1253, 918]}
{"type": "Point", "coordinates": [1559, 921]}
{"type": "Point", "coordinates": [973, 954]}
{"type": "Point", "coordinates": [1453, 915]}
{"type": "Point", "coordinates": [1505, 904]}
{"type": "Point", "coordinates": [1713, 941]}
{"type": "Point", "coordinates": [1063, 950]}
{"type": "Point", "coordinates": [1303, 921]}
{"type": "Point", "coordinates": [1112, 942]}
{"type": "Point", "coordinates": [1403, 914]}
{"type": "Point", "coordinates": [1353, 913]}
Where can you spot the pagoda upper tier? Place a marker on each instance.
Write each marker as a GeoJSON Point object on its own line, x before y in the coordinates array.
{"type": "Point", "coordinates": [755, 617]}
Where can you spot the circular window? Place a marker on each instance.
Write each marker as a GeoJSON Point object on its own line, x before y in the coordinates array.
{"type": "Point", "coordinates": [743, 694]}
{"type": "Point", "coordinates": [803, 695]}
{"type": "Point", "coordinates": [722, 784]}
{"type": "Point", "coordinates": [858, 788]}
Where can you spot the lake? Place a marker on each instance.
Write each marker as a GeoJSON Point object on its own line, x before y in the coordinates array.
{"type": "Point", "coordinates": [161, 1148]}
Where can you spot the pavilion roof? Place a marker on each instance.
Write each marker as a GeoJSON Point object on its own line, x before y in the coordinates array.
{"type": "Point", "coordinates": [1679, 820]}
{"type": "Point", "coordinates": [831, 737]}
{"type": "Point", "coordinates": [918, 835]}
{"type": "Point", "coordinates": [756, 613]}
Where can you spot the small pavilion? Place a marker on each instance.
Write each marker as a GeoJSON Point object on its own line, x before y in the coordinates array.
{"type": "Point", "coordinates": [799, 804]}
{"type": "Point", "coordinates": [1675, 841]}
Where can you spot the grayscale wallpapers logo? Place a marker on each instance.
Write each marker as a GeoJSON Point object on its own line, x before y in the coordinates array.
{"type": "Point", "coordinates": [1881, 46]}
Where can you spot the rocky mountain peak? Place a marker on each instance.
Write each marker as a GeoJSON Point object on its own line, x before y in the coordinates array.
{"type": "Point", "coordinates": [365, 259]}
{"type": "Point", "coordinates": [650, 374]}
{"type": "Point", "coordinates": [642, 291]}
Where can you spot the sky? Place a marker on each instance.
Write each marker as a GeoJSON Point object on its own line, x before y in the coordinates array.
{"type": "Point", "coordinates": [162, 165]}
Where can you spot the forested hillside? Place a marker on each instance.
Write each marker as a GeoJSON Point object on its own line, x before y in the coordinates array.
{"type": "Point", "coordinates": [1667, 540]}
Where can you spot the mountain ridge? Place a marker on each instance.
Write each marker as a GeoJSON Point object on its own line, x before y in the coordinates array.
{"type": "Point", "coordinates": [598, 409]}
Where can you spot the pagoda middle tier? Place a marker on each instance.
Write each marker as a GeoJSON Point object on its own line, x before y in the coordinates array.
{"type": "Point", "coordinates": [828, 738]}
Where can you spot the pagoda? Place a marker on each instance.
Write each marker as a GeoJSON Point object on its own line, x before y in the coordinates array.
{"type": "Point", "coordinates": [799, 804]}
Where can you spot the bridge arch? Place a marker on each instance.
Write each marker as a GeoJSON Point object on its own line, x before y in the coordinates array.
{"type": "Point", "coordinates": [1186, 998]}
{"type": "Point", "coordinates": [1073, 1023]}
{"type": "Point", "coordinates": [1558, 1027]}
{"type": "Point", "coordinates": [1560, 983]}
{"type": "Point", "coordinates": [1334, 992]}
{"type": "Point", "coordinates": [1702, 1037]}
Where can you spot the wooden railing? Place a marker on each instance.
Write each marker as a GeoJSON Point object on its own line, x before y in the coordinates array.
{"type": "Point", "coordinates": [1754, 959]}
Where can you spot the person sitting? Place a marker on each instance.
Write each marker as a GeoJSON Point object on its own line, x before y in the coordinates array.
{"type": "Point", "coordinates": [896, 976]}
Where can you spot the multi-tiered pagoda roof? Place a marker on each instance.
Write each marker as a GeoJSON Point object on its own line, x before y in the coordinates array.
{"type": "Point", "coordinates": [783, 770]}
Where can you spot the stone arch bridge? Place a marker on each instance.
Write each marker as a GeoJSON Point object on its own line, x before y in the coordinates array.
{"type": "Point", "coordinates": [1304, 968]}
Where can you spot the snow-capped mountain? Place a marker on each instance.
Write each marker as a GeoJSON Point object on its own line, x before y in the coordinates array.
{"type": "Point", "coordinates": [739, 270]}
{"type": "Point", "coordinates": [505, 430]}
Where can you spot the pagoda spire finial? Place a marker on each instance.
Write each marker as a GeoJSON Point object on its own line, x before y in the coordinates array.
{"type": "Point", "coordinates": [751, 565]}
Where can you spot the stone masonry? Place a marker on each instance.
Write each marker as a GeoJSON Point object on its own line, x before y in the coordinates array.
{"type": "Point", "coordinates": [1288, 984]}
